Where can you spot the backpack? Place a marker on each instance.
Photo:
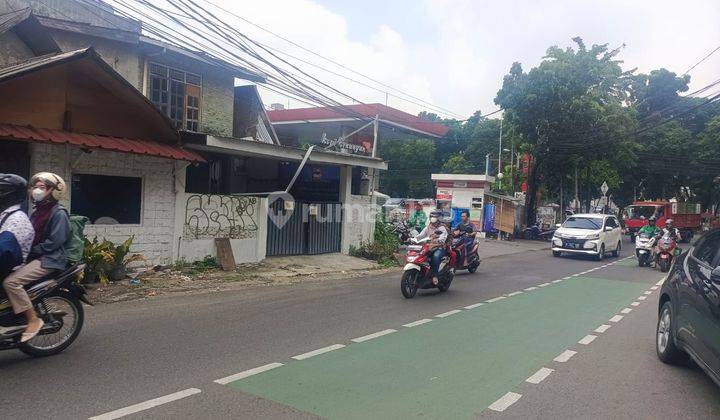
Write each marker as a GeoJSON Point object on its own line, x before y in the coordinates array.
{"type": "Point", "coordinates": [75, 245]}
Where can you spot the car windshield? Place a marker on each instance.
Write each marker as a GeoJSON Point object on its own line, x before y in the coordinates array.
{"type": "Point", "coordinates": [635, 212]}
{"type": "Point", "coordinates": [592, 223]}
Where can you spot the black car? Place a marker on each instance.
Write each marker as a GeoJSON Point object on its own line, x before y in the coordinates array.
{"type": "Point", "coordinates": [689, 310]}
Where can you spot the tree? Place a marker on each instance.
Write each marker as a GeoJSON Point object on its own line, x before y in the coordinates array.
{"type": "Point", "coordinates": [457, 164]}
{"type": "Point", "coordinates": [568, 109]}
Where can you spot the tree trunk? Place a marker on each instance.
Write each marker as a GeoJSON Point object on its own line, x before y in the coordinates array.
{"type": "Point", "coordinates": [531, 194]}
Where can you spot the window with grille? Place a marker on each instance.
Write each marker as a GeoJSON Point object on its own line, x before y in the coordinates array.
{"type": "Point", "coordinates": [177, 94]}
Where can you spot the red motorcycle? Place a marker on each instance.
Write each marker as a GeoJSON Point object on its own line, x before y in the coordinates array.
{"type": "Point", "coordinates": [417, 273]}
{"type": "Point", "coordinates": [665, 251]}
{"type": "Point", "coordinates": [473, 257]}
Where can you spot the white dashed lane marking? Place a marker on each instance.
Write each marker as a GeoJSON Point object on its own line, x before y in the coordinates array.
{"type": "Point", "coordinates": [565, 356]}
{"type": "Point", "coordinates": [374, 335]}
{"type": "Point", "coordinates": [448, 313]}
{"type": "Point", "coordinates": [647, 292]}
{"type": "Point", "coordinates": [616, 318]}
{"type": "Point", "coordinates": [318, 352]}
{"type": "Point", "coordinates": [539, 376]}
{"type": "Point", "coordinates": [635, 304]}
{"type": "Point", "coordinates": [557, 281]}
{"type": "Point", "coordinates": [474, 305]}
{"type": "Point", "coordinates": [602, 328]}
{"type": "Point", "coordinates": [543, 284]}
{"type": "Point", "coordinates": [626, 311]}
{"type": "Point", "coordinates": [495, 299]}
{"type": "Point", "coordinates": [250, 372]}
{"type": "Point", "coordinates": [514, 293]}
{"type": "Point", "coordinates": [146, 405]}
{"type": "Point", "coordinates": [505, 401]}
{"type": "Point", "coordinates": [531, 288]}
{"type": "Point", "coordinates": [642, 298]}
{"type": "Point", "coordinates": [587, 339]}
{"type": "Point", "coordinates": [416, 323]}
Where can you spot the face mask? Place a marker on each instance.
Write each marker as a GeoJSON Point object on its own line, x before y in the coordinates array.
{"type": "Point", "coordinates": [38, 195]}
{"type": "Point", "coordinates": [433, 220]}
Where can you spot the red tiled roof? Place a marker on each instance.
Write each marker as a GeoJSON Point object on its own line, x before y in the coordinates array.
{"type": "Point", "coordinates": [116, 144]}
{"type": "Point", "coordinates": [386, 113]}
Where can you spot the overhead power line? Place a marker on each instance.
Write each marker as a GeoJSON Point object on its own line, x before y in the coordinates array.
{"type": "Point", "coordinates": [701, 60]}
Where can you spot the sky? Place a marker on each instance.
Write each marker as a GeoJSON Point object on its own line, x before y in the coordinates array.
{"type": "Point", "coordinates": [453, 54]}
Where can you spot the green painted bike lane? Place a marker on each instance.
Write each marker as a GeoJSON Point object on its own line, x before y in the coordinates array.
{"type": "Point", "coordinates": [452, 367]}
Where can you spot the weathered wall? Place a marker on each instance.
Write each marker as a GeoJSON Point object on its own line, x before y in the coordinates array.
{"type": "Point", "coordinates": [154, 235]}
{"type": "Point", "coordinates": [101, 15]}
{"type": "Point", "coordinates": [204, 217]}
{"type": "Point", "coordinates": [359, 222]}
{"type": "Point", "coordinates": [12, 49]}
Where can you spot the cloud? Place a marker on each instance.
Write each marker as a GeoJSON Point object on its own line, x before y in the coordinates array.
{"type": "Point", "coordinates": [459, 58]}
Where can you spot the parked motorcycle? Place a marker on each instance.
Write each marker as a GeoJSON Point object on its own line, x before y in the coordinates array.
{"type": "Point", "coordinates": [403, 230]}
{"type": "Point", "coordinates": [473, 257]}
{"type": "Point", "coordinates": [534, 232]}
{"type": "Point", "coordinates": [644, 245]}
{"type": "Point", "coordinates": [58, 301]}
{"type": "Point", "coordinates": [665, 252]}
{"type": "Point", "coordinates": [417, 273]}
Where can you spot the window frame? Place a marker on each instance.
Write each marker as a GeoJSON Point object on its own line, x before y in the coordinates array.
{"type": "Point", "coordinates": [715, 259]}
{"type": "Point", "coordinates": [172, 74]}
{"type": "Point", "coordinates": [142, 198]}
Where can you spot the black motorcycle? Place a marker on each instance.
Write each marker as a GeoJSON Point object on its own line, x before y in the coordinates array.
{"type": "Point", "coordinates": [403, 230]}
{"type": "Point", "coordinates": [58, 301]}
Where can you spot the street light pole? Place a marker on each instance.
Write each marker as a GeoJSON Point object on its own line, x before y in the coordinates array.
{"type": "Point", "coordinates": [500, 155]}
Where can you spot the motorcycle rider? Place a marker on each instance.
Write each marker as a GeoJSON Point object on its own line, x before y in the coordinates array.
{"type": "Point", "coordinates": [650, 228]}
{"type": "Point", "coordinates": [671, 231]}
{"type": "Point", "coordinates": [437, 233]}
{"type": "Point", "coordinates": [465, 227]}
{"type": "Point", "coordinates": [418, 219]}
{"type": "Point", "coordinates": [16, 231]}
{"type": "Point", "coordinates": [52, 230]}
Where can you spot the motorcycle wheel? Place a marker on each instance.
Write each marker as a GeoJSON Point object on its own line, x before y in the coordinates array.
{"type": "Point", "coordinates": [67, 327]}
{"type": "Point", "coordinates": [664, 265]}
{"type": "Point", "coordinates": [408, 284]}
{"type": "Point", "coordinates": [443, 287]}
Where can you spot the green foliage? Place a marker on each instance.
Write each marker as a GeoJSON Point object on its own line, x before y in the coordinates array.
{"type": "Point", "coordinates": [382, 249]}
{"type": "Point", "coordinates": [106, 261]}
{"type": "Point", "coordinates": [457, 164]}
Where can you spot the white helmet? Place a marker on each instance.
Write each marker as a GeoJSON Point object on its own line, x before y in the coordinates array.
{"type": "Point", "coordinates": [50, 180]}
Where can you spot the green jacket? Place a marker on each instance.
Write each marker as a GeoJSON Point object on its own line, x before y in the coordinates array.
{"type": "Point", "coordinates": [653, 230]}
{"type": "Point", "coordinates": [418, 220]}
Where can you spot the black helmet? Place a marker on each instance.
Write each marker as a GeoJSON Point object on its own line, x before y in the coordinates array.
{"type": "Point", "coordinates": [13, 190]}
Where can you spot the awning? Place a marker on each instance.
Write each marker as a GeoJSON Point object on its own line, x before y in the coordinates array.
{"type": "Point", "coordinates": [115, 144]}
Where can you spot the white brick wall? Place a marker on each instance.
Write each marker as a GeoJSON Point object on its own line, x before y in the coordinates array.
{"type": "Point", "coordinates": [154, 235]}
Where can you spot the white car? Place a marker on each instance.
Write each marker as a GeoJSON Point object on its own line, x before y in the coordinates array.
{"type": "Point", "coordinates": [589, 234]}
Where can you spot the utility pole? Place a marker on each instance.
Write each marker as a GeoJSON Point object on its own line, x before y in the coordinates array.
{"type": "Point", "coordinates": [487, 165]}
{"type": "Point", "coordinates": [500, 156]}
{"type": "Point", "coordinates": [512, 166]}
{"type": "Point", "coordinates": [577, 196]}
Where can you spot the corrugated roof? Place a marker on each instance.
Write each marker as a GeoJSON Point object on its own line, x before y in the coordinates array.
{"type": "Point", "coordinates": [115, 144]}
{"type": "Point", "coordinates": [385, 113]}
{"type": "Point", "coordinates": [38, 62]}
{"type": "Point", "coordinates": [9, 20]}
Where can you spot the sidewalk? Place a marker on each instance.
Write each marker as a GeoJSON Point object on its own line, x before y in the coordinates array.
{"type": "Point", "coordinates": [493, 248]}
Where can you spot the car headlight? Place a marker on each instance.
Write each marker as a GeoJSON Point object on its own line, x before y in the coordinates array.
{"type": "Point", "coordinates": [593, 236]}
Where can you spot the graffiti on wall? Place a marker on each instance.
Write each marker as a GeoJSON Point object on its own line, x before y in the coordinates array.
{"type": "Point", "coordinates": [220, 216]}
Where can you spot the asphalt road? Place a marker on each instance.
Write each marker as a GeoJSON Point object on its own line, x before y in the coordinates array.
{"type": "Point", "coordinates": [455, 366]}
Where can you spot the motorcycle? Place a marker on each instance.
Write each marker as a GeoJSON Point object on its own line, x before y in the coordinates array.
{"type": "Point", "coordinates": [534, 232]}
{"type": "Point", "coordinates": [403, 230]}
{"type": "Point", "coordinates": [665, 251]}
{"type": "Point", "coordinates": [417, 273]}
{"type": "Point", "coordinates": [473, 257]}
{"type": "Point", "coordinates": [644, 245]}
{"type": "Point", "coordinates": [58, 301]}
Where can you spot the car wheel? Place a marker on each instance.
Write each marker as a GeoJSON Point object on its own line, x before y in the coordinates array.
{"type": "Point", "coordinates": [557, 253]}
{"type": "Point", "coordinates": [617, 249]}
{"type": "Point", "coordinates": [667, 351]}
{"type": "Point", "coordinates": [601, 253]}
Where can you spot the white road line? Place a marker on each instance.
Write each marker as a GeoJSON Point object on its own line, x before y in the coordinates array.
{"type": "Point", "coordinates": [250, 372]}
{"type": "Point", "coordinates": [576, 275]}
{"type": "Point", "coordinates": [318, 351]}
{"type": "Point", "coordinates": [543, 284]}
{"type": "Point", "coordinates": [647, 292]}
{"type": "Point", "coordinates": [642, 298]}
{"type": "Point", "coordinates": [616, 318]}
{"type": "Point", "coordinates": [626, 311]}
{"type": "Point", "coordinates": [602, 328]}
{"type": "Point", "coordinates": [587, 339]}
{"type": "Point", "coordinates": [654, 288]}
{"type": "Point", "coordinates": [448, 313]}
{"type": "Point", "coordinates": [565, 356]}
{"type": "Point", "coordinates": [374, 335]}
{"type": "Point", "coordinates": [416, 323]}
{"type": "Point", "coordinates": [475, 305]}
{"type": "Point", "coordinates": [505, 401]}
{"type": "Point", "coordinates": [635, 304]}
{"type": "Point", "coordinates": [556, 281]}
{"type": "Point", "coordinates": [495, 299]}
{"type": "Point", "coordinates": [660, 283]}
{"type": "Point", "coordinates": [566, 278]}
{"type": "Point", "coordinates": [146, 405]}
{"type": "Point", "coordinates": [531, 288]}
{"type": "Point", "coordinates": [539, 376]}
{"type": "Point", "coordinates": [515, 293]}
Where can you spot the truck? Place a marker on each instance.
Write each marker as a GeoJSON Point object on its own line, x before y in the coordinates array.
{"type": "Point", "coordinates": [687, 217]}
